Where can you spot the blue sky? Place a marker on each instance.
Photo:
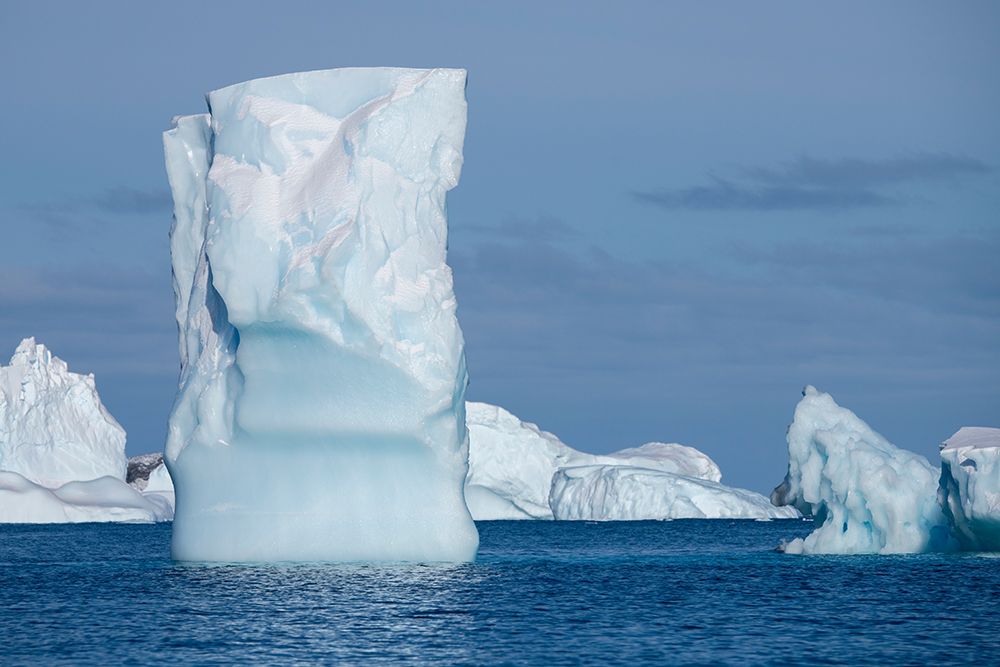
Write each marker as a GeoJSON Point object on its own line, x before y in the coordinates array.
{"type": "Point", "coordinates": [672, 216]}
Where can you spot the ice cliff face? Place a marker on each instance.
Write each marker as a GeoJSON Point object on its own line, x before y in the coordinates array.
{"type": "Point", "coordinates": [867, 495]}
{"type": "Point", "coordinates": [969, 488]}
{"type": "Point", "coordinates": [53, 427]}
{"type": "Point", "coordinates": [62, 455]}
{"type": "Point", "coordinates": [320, 414]}
{"type": "Point", "coordinates": [511, 464]}
{"type": "Point", "coordinates": [518, 471]}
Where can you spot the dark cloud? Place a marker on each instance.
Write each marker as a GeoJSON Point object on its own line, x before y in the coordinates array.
{"type": "Point", "coordinates": [85, 213]}
{"type": "Point", "coordinates": [855, 173]}
{"type": "Point", "coordinates": [541, 230]}
{"type": "Point", "coordinates": [124, 200]}
{"type": "Point", "coordinates": [722, 195]}
{"type": "Point", "coordinates": [115, 319]}
{"type": "Point", "coordinates": [813, 184]}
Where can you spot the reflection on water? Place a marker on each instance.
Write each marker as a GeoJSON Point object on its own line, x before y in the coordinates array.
{"type": "Point", "coordinates": [540, 593]}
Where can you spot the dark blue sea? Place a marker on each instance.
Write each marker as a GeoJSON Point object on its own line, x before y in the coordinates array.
{"type": "Point", "coordinates": [541, 593]}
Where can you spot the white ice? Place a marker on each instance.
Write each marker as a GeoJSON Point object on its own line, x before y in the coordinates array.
{"type": "Point", "coordinates": [511, 464]}
{"type": "Point", "coordinates": [100, 500]}
{"type": "Point", "coordinates": [629, 493]}
{"type": "Point", "coordinates": [53, 427]}
{"type": "Point", "coordinates": [969, 489]}
{"type": "Point", "coordinates": [62, 454]}
{"type": "Point", "coordinates": [320, 414]}
{"type": "Point", "coordinates": [518, 471]}
{"type": "Point", "coordinates": [866, 495]}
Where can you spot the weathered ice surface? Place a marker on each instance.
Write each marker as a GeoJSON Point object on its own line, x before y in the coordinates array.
{"type": "Point", "coordinates": [511, 464]}
{"type": "Point", "coordinates": [629, 493]}
{"type": "Point", "coordinates": [518, 471]}
{"type": "Point", "coordinates": [53, 427]}
{"type": "Point", "coordinates": [969, 489]}
{"type": "Point", "coordinates": [866, 495]}
{"type": "Point", "coordinates": [62, 454]}
{"type": "Point", "coordinates": [320, 413]}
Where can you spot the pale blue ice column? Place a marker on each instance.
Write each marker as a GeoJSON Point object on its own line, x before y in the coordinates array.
{"type": "Point", "coordinates": [320, 412]}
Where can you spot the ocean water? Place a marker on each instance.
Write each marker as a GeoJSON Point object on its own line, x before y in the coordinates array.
{"type": "Point", "coordinates": [541, 593]}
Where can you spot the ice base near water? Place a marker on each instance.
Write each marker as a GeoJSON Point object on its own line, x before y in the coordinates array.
{"type": "Point", "coordinates": [320, 414]}
{"type": "Point", "coordinates": [518, 471]}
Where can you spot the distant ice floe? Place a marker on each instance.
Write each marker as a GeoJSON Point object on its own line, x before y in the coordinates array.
{"type": "Point", "coordinates": [628, 493]}
{"type": "Point", "coordinates": [518, 471]}
{"type": "Point", "coordinates": [62, 454]}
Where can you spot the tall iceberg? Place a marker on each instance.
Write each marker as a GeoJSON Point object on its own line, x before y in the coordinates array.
{"type": "Point", "coordinates": [865, 494]}
{"type": "Point", "coordinates": [969, 489]}
{"type": "Point", "coordinates": [320, 412]}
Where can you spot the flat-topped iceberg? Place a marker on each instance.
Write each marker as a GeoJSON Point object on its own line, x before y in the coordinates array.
{"type": "Point", "coordinates": [320, 414]}
{"type": "Point", "coordinates": [629, 493]}
{"type": "Point", "coordinates": [62, 454]}
{"type": "Point", "coordinates": [866, 495]}
{"type": "Point", "coordinates": [518, 471]}
{"type": "Point", "coordinates": [969, 489]}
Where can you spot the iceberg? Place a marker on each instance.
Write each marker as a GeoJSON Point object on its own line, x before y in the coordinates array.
{"type": "Point", "coordinates": [969, 488]}
{"type": "Point", "coordinates": [53, 427]}
{"type": "Point", "coordinates": [62, 454]}
{"type": "Point", "coordinates": [629, 493]}
{"type": "Point", "coordinates": [518, 471]}
{"type": "Point", "coordinates": [511, 464]}
{"type": "Point", "coordinates": [866, 495]}
{"type": "Point", "coordinates": [320, 413]}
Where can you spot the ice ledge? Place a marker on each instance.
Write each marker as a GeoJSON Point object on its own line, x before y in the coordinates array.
{"type": "Point", "coordinates": [973, 437]}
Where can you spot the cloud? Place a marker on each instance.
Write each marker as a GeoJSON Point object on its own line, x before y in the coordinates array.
{"type": "Point", "coordinates": [722, 195]}
{"type": "Point", "coordinates": [540, 230]}
{"type": "Point", "coordinates": [112, 318]}
{"type": "Point", "coordinates": [88, 212]}
{"type": "Point", "coordinates": [124, 200]}
{"type": "Point", "coordinates": [855, 173]}
{"type": "Point", "coordinates": [814, 184]}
